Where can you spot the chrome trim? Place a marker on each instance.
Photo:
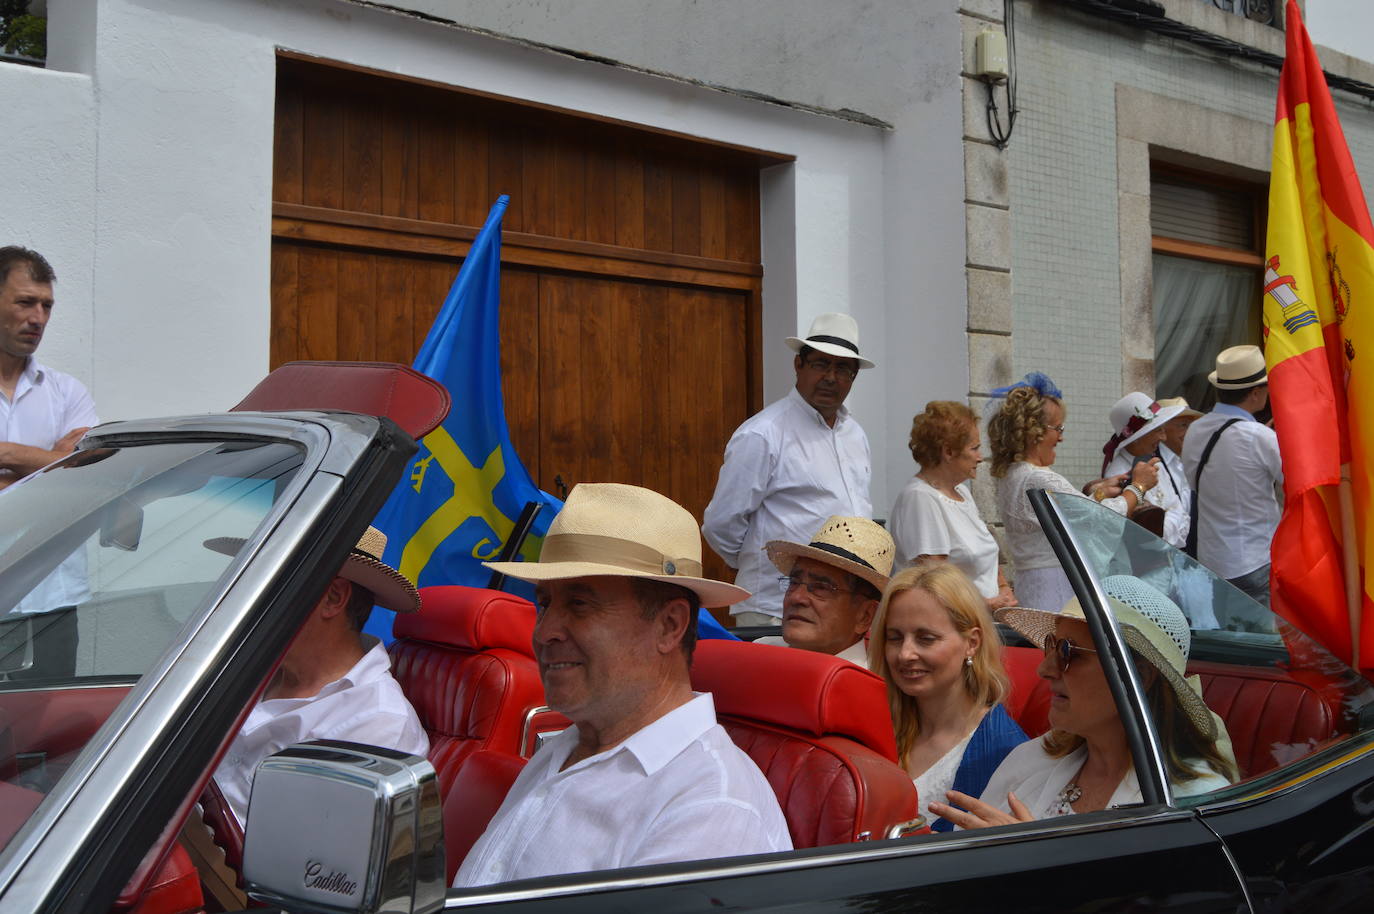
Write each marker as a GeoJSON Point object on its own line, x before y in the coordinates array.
{"type": "Point", "coordinates": [906, 829]}
{"type": "Point", "coordinates": [526, 730]}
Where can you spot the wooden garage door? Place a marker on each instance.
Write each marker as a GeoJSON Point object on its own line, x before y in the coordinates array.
{"type": "Point", "coordinates": [630, 281]}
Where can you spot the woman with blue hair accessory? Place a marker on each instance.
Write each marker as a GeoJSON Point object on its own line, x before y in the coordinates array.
{"type": "Point", "coordinates": [1024, 434]}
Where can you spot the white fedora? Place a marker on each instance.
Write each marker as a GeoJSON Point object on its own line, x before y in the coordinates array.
{"type": "Point", "coordinates": [1238, 368]}
{"type": "Point", "coordinates": [608, 528]}
{"type": "Point", "coordinates": [834, 334]}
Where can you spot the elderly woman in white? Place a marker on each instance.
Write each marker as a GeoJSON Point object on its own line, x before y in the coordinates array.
{"type": "Point", "coordinates": [1138, 428]}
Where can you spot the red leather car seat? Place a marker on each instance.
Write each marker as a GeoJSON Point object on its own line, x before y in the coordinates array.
{"type": "Point", "coordinates": [466, 663]}
{"type": "Point", "coordinates": [820, 730]}
{"type": "Point", "coordinates": [477, 792]}
{"type": "Point", "coordinates": [1029, 700]}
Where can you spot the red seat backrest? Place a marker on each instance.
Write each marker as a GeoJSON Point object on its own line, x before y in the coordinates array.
{"type": "Point", "coordinates": [466, 663]}
{"type": "Point", "coordinates": [475, 795]}
{"type": "Point", "coordinates": [415, 402]}
{"type": "Point", "coordinates": [1029, 701]}
{"type": "Point", "coordinates": [820, 730]}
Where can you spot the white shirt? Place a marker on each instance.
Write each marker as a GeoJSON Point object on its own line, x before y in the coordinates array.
{"type": "Point", "coordinates": [926, 521]}
{"type": "Point", "coordinates": [1025, 540]}
{"type": "Point", "coordinates": [47, 405]}
{"type": "Point", "coordinates": [1161, 494]}
{"type": "Point", "coordinates": [856, 653]}
{"type": "Point", "coordinates": [1176, 477]}
{"type": "Point", "coordinates": [365, 705]}
{"type": "Point", "coordinates": [1237, 510]}
{"type": "Point", "coordinates": [1038, 780]}
{"type": "Point", "coordinates": [785, 472]}
{"type": "Point", "coordinates": [678, 789]}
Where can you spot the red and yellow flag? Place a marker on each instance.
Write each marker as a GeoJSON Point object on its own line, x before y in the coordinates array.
{"type": "Point", "coordinates": [1319, 346]}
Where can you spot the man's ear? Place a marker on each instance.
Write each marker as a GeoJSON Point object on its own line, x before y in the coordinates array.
{"type": "Point", "coordinates": [672, 621]}
{"type": "Point", "coordinates": [335, 599]}
{"type": "Point", "coordinates": [864, 620]}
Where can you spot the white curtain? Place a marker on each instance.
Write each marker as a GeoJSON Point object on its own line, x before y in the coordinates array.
{"type": "Point", "coordinates": [1200, 309]}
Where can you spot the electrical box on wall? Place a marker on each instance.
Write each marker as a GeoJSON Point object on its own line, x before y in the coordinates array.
{"type": "Point", "coordinates": [990, 55]}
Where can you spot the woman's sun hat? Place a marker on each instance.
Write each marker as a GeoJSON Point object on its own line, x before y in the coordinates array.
{"type": "Point", "coordinates": [1238, 368]}
{"type": "Point", "coordinates": [1154, 627]}
{"type": "Point", "coordinates": [1132, 417]}
{"type": "Point", "coordinates": [834, 334]}
{"type": "Point", "coordinates": [364, 567]}
{"type": "Point", "coordinates": [853, 544]}
{"type": "Point", "coordinates": [609, 528]}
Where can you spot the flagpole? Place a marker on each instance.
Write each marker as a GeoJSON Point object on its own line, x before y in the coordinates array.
{"type": "Point", "coordinates": [1345, 497]}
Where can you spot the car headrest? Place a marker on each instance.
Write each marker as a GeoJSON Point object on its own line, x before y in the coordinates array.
{"type": "Point", "coordinates": [470, 617]}
{"type": "Point", "coordinates": [415, 402]}
{"type": "Point", "coordinates": [800, 690]}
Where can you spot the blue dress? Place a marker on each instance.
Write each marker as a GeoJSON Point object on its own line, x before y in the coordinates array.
{"type": "Point", "coordinates": [996, 736]}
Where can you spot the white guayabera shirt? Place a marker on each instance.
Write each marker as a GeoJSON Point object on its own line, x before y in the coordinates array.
{"type": "Point", "coordinates": [678, 789]}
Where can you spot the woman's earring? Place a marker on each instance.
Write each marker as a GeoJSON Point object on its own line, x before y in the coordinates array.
{"type": "Point", "coordinates": [968, 661]}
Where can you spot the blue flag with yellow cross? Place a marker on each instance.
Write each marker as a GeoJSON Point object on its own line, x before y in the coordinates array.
{"type": "Point", "coordinates": [459, 498]}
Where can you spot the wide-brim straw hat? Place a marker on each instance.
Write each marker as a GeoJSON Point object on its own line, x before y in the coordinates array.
{"type": "Point", "coordinates": [1238, 368]}
{"type": "Point", "coordinates": [834, 334]}
{"type": "Point", "coordinates": [613, 529]}
{"type": "Point", "coordinates": [1154, 627]}
{"type": "Point", "coordinates": [1183, 402]}
{"type": "Point", "coordinates": [853, 544]}
{"type": "Point", "coordinates": [1138, 414]}
{"type": "Point", "coordinates": [364, 566]}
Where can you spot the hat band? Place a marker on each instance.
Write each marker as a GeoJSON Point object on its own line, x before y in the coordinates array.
{"type": "Point", "coordinates": [611, 550]}
{"type": "Point", "coordinates": [1248, 379]}
{"type": "Point", "coordinates": [842, 553]}
{"type": "Point", "coordinates": [836, 340]}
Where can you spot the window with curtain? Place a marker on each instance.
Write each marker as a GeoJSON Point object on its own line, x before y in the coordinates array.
{"type": "Point", "coordinates": [1208, 258]}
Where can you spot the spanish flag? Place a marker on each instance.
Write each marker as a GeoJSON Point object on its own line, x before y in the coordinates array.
{"type": "Point", "coordinates": [1319, 346]}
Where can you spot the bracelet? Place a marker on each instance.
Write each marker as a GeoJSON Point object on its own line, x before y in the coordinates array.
{"type": "Point", "coordinates": [1139, 492]}
{"type": "Point", "coordinates": [1100, 493]}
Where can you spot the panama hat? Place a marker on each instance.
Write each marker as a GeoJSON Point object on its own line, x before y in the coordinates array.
{"type": "Point", "coordinates": [1180, 401]}
{"type": "Point", "coordinates": [1132, 417]}
{"type": "Point", "coordinates": [834, 334]}
{"type": "Point", "coordinates": [853, 544]}
{"type": "Point", "coordinates": [364, 567]}
{"type": "Point", "coordinates": [1238, 368]}
{"type": "Point", "coordinates": [1154, 627]}
{"type": "Point", "coordinates": [608, 528]}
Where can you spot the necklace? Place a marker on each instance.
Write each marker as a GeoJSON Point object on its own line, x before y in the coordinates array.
{"type": "Point", "coordinates": [1063, 804]}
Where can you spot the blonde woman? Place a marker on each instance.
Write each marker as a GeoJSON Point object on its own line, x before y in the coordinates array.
{"type": "Point", "coordinates": [938, 650]}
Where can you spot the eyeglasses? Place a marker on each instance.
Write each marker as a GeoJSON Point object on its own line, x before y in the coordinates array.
{"type": "Point", "coordinates": [1056, 428]}
{"type": "Point", "coordinates": [1062, 651]}
{"type": "Point", "coordinates": [815, 586]}
{"type": "Point", "coordinates": [825, 366]}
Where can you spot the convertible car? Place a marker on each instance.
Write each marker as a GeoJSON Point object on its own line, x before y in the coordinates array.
{"type": "Point", "coordinates": [106, 800]}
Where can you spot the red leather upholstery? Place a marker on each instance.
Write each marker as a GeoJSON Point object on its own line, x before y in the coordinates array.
{"type": "Point", "coordinates": [413, 401]}
{"type": "Point", "coordinates": [1271, 718]}
{"type": "Point", "coordinates": [1029, 701]}
{"type": "Point", "coordinates": [477, 791]}
{"type": "Point", "coordinates": [820, 730]}
{"type": "Point", "coordinates": [223, 825]}
{"type": "Point", "coordinates": [466, 663]}
{"type": "Point", "coordinates": [175, 889]}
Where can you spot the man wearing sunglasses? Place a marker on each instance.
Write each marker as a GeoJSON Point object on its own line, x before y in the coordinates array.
{"type": "Point", "coordinates": [790, 466]}
{"type": "Point", "coordinates": [832, 587]}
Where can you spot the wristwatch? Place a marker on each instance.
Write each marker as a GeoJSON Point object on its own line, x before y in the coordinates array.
{"type": "Point", "coordinates": [1139, 492]}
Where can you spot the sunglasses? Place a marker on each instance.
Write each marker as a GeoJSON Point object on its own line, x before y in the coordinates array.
{"type": "Point", "coordinates": [1062, 651]}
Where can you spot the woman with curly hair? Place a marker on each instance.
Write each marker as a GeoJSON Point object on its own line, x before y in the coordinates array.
{"type": "Point", "coordinates": [937, 649]}
{"type": "Point", "coordinates": [934, 517]}
{"type": "Point", "coordinates": [1024, 434]}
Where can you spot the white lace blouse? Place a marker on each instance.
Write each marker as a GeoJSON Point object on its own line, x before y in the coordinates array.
{"type": "Point", "coordinates": [1025, 540]}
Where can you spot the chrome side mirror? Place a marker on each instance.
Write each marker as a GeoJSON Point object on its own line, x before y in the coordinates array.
{"type": "Point", "coordinates": [343, 828]}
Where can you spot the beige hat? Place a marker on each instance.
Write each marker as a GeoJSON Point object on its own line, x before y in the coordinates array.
{"type": "Point", "coordinates": [1180, 401]}
{"type": "Point", "coordinates": [834, 334]}
{"type": "Point", "coordinates": [627, 531]}
{"type": "Point", "coordinates": [1154, 627]}
{"type": "Point", "coordinates": [364, 567]}
{"type": "Point", "coordinates": [853, 544]}
{"type": "Point", "coordinates": [1238, 368]}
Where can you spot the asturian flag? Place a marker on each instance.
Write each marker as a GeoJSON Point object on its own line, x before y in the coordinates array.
{"type": "Point", "coordinates": [1319, 348]}
{"type": "Point", "coordinates": [461, 493]}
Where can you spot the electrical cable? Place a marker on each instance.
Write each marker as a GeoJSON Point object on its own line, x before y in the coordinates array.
{"type": "Point", "coordinates": [1001, 137]}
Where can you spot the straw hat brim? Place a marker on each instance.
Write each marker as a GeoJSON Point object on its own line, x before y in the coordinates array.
{"type": "Point", "coordinates": [784, 554]}
{"type": "Point", "coordinates": [1036, 624]}
{"type": "Point", "coordinates": [712, 593]}
{"type": "Point", "coordinates": [796, 343]}
{"type": "Point", "coordinates": [1164, 415]}
{"type": "Point", "coordinates": [390, 589]}
{"type": "Point", "coordinates": [1235, 385]}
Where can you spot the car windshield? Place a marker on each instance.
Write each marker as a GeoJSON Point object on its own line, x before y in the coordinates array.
{"type": "Point", "coordinates": [1280, 697]}
{"type": "Point", "coordinates": [104, 558]}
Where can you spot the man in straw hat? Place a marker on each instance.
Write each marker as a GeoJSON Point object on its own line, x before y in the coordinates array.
{"type": "Point", "coordinates": [833, 587]}
{"type": "Point", "coordinates": [1171, 450]}
{"type": "Point", "coordinates": [645, 774]}
{"type": "Point", "coordinates": [1232, 462]}
{"type": "Point", "coordinates": [334, 682]}
{"type": "Point", "coordinates": [1138, 424]}
{"type": "Point", "coordinates": [796, 462]}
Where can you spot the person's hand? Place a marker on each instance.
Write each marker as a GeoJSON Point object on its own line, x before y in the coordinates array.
{"type": "Point", "coordinates": [1005, 597]}
{"type": "Point", "coordinates": [1111, 487]}
{"type": "Point", "coordinates": [1146, 474]}
{"type": "Point", "coordinates": [977, 814]}
{"type": "Point", "coordinates": [67, 443]}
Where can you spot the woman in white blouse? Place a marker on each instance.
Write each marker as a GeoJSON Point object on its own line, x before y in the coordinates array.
{"type": "Point", "coordinates": [935, 516]}
{"type": "Point", "coordinates": [1024, 434]}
